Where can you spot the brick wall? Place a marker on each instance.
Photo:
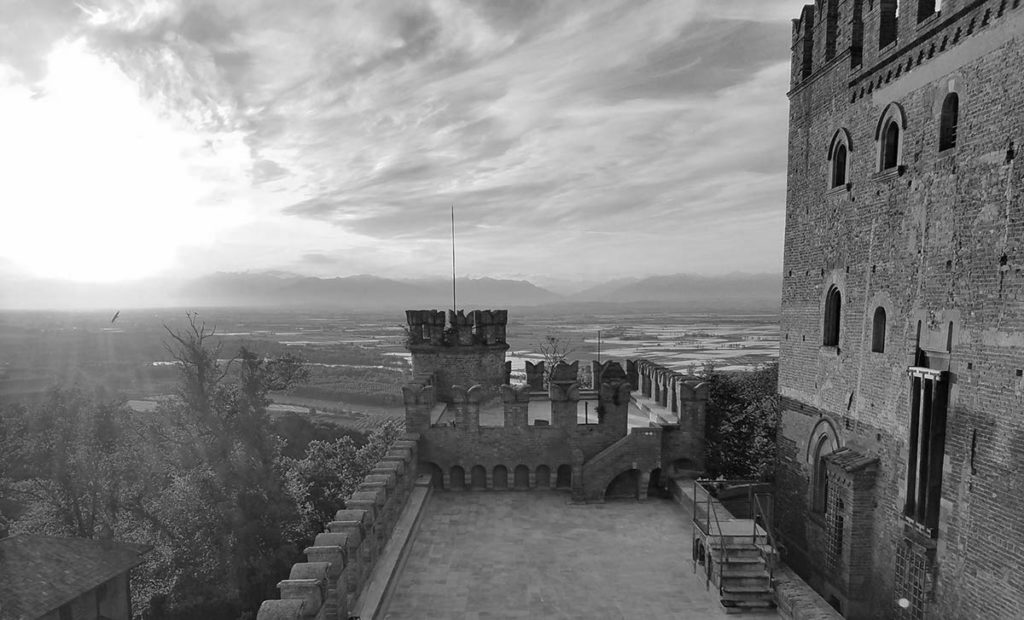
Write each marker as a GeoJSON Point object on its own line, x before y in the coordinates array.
{"type": "Point", "coordinates": [938, 241]}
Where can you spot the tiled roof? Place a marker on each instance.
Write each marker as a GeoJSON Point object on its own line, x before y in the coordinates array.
{"type": "Point", "coordinates": [40, 573]}
{"type": "Point", "coordinates": [850, 460]}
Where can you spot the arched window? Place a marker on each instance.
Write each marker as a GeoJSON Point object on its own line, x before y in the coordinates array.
{"type": "Point", "coordinates": [833, 306]}
{"type": "Point", "coordinates": [878, 331]}
{"type": "Point", "coordinates": [839, 166]}
{"type": "Point", "coordinates": [819, 496]}
{"type": "Point", "coordinates": [948, 121]}
{"type": "Point", "coordinates": [891, 146]}
{"type": "Point", "coordinates": [839, 159]}
{"type": "Point", "coordinates": [889, 137]}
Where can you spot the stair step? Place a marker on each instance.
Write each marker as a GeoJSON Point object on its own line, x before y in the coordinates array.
{"type": "Point", "coordinates": [744, 597]}
{"type": "Point", "coordinates": [743, 569]}
{"type": "Point", "coordinates": [746, 589]}
{"type": "Point", "coordinates": [739, 559]}
{"type": "Point", "coordinates": [732, 581]}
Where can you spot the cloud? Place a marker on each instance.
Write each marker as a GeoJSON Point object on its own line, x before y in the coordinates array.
{"type": "Point", "coordinates": [553, 126]}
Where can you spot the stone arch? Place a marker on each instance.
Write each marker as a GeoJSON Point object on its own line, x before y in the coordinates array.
{"type": "Point", "coordinates": [521, 477]}
{"type": "Point", "coordinates": [436, 474]}
{"type": "Point", "coordinates": [824, 440]}
{"type": "Point", "coordinates": [478, 478]}
{"type": "Point", "coordinates": [457, 478]}
{"type": "Point", "coordinates": [563, 479]}
{"type": "Point", "coordinates": [500, 478]}
{"type": "Point", "coordinates": [543, 475]}
{"type": "Point", "coordinates": [624, 485]}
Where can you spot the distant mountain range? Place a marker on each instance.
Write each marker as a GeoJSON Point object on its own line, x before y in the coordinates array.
{"type": "Point", "coordinates": [733, 291]}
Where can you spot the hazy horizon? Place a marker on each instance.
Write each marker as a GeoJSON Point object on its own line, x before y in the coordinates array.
{"type": "Point", "coordinates": [580, 140]}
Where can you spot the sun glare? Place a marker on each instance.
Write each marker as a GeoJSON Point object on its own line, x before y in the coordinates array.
{"type": "Point", "coordinates": [97, 185]}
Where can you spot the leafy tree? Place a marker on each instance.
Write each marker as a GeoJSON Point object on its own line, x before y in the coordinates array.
{"type": "Point", "coordinates": [326, 477]}
{"type": "Point", "coordinates": [742, 419]}
{"type": "Point", "coordinates": [69, 463]}
{"type": "Point", "coordinates": [221, 508]}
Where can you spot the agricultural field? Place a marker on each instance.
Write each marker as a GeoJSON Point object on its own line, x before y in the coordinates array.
{"type": "Point", "coordinates": [357, 361]}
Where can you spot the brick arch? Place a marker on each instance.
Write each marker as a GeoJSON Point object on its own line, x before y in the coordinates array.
{"type": "Point", "coordinates": [457, 478]}
{"type": "Point", "coordinates": [478, 477]}
{"type": "Point", "coordinates": [624, 484]}
{"type": "Point", "coordinates": [543, 477]}
{"type": "Point", "coordinates": [824, 428]}
{"type": "Point", "coordinates": [521, 477]}
{"type": "Point", "coordinates": [500, 478]}
{"type": "Point", "coordinates": [436, 474]}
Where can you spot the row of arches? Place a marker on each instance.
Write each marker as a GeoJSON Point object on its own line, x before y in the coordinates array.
{"type": "Point", "coordinates": [501, 478]}
{"type": "Point", "coordinates": [889, 139]}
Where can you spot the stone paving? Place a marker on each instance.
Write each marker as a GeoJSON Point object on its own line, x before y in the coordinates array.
{"type": "Point", "coordinates": [496, 555]}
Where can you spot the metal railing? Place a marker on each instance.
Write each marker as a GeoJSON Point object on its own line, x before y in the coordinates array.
{"type": "Point", "coordinates": [703, 521]}
{"type": "Point", "coordinates": [764, 509]}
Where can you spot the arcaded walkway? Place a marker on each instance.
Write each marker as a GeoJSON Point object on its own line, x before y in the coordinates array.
{"type": "Point", "coordinates": [503, 555]}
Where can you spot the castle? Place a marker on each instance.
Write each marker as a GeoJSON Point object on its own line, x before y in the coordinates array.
{"type": "Point", "coordinates": [900, 486]}
{"type": "Point", "coordinates": [469, 429]}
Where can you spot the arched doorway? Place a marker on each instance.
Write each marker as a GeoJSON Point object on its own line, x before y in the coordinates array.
{"type": "Point", "coordinates": [543, 477]}
{"type": "Point", "coordinates": [478, 478]}
{"type": "Point", "coordinates": [501, 477]}
{"type": "Point", "coordinates": [457, 478]}
{"type": "Point", "coordinates": [624, 486]}
{"type": "Point", "coordinates": [657, 486]}
{"type": "Point", "coordinates": [522, 478]}
{"type": "Point", "coordinates": [436, 475]}
{"type": "Point", "coordinates": [563, 478]}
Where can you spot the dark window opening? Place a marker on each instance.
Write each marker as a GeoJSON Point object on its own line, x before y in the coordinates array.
{"type": "Point", "coordinates": [890, 146]}
{"type": "Point", "coordinates": [878, 331]}
{"type": "Point", "coordinates": [833, 303]}
{"type": "Point", "coordinates": [819, 496]}
{"type": "Point", "coordinates": [925, 9]}
{"type": "Point", "coordinates": [949, 121]}
{"type": "Point", "coordinates": [887, 23]}
{"type": "Point", "coordinates": [927, 447]}
{"type": "Point", "coordinates": [839, 166]}
{"type": "Point", "coordinates": [831, 28]}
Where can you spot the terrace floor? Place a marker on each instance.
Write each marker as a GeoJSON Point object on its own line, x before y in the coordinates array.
{"type": "Point", "coordinates": [503, 555]}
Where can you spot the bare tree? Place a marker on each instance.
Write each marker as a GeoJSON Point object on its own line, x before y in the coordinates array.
{"type": "Point", "coordinates": [554, 349]}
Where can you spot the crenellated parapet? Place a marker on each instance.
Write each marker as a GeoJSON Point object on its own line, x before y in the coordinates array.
{"type": "Point", "coordinates": [340, 561]}
{"type": "Point", "coordinates": [535, 375]}
{"type": "Point", "coordinates": [426, 327]}
{"type": "Point", "coordinates": [516, 402]}
{"type": "Point", "coordinates": [466, 348]}
{"type": "Point", "coordinates": [870, 43]}
{"type": "Point", "coordinates": [457, 328]}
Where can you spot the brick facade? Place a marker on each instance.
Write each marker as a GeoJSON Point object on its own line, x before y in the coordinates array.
{"type": "Point", "coordinates": [936, 240]}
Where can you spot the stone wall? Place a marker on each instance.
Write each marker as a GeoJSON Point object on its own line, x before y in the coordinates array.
{"type": "Point", "coordinates": [937, 241]}
{"type": "Point", "coordinates": [341, 560]}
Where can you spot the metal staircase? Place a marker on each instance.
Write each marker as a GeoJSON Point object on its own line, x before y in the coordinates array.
{"type": "Point", "coordinates": [738, 554]}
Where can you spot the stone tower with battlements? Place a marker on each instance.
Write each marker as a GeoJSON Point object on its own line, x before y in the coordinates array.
{"type": "Point", "coordinates": [464, 350]}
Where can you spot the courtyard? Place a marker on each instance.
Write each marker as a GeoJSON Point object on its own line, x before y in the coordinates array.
{"type": "Point", "coordinates": [499, 555]}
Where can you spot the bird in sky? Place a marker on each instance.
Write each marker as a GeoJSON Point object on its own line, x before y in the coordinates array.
{"type": "Point", "coordinates": [116, 314]}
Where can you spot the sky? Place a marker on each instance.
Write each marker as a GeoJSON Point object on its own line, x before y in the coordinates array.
{"type": "Point", "coordinates": [576, 140]}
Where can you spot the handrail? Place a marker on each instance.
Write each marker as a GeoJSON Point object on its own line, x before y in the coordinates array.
{"type": "Point", "coordinates": [767, 515]}
{"type": "Point", "coordinates": [710, 513]}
